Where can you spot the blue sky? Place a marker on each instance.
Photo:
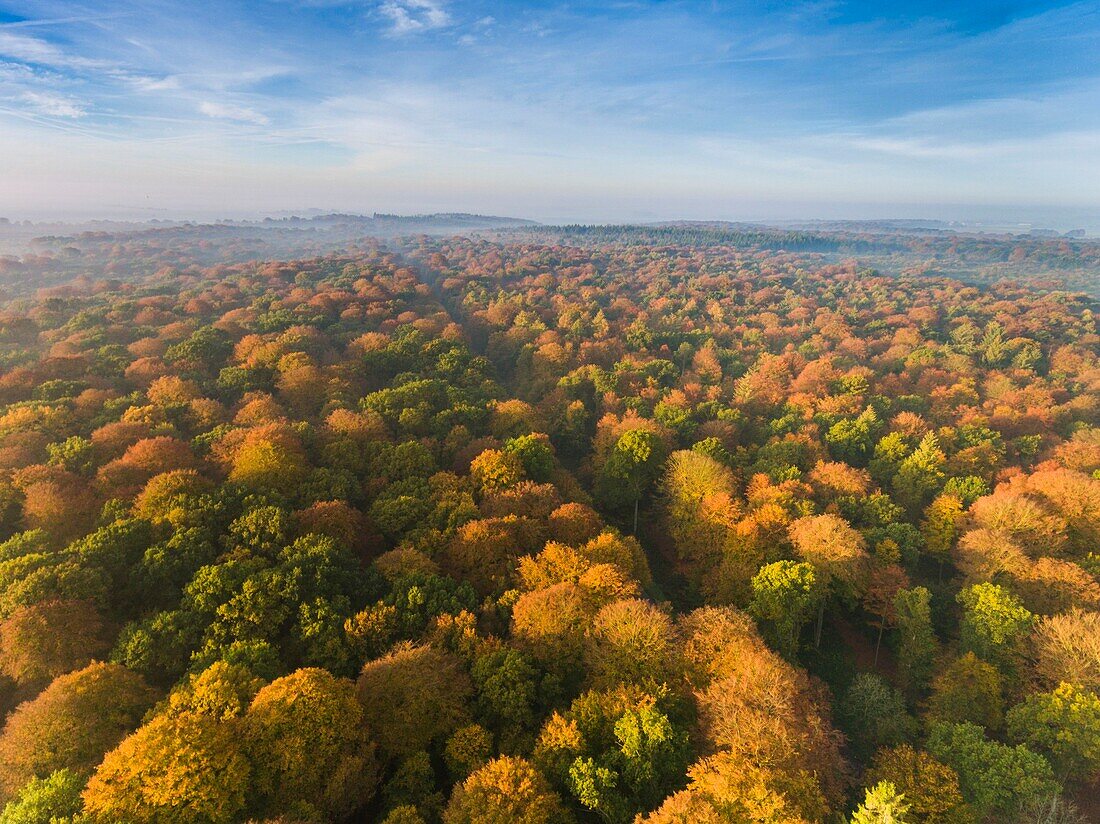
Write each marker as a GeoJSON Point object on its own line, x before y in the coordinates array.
{"type": "Point", "coordinates": [587, 111]}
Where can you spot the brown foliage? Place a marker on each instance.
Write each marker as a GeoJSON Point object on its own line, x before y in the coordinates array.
{"type": "Point", "coordinates": [71, 724]}
{"type": "Point", "coordinates": [44, 640]}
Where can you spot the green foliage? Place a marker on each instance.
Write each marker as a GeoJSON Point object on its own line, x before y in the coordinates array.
{"type": "Point", "coordinates": [54, 799]}
{"type": "Point", "coordinates": [996, 779]}
{"type": "Point", "coordinates": [874, 715]}
{"type": "Point", "coordinates": [916, 640]}
{"type": "Point", "coordinates": [785, 594]}
{"type": "Point", "coordinates": [883, 804]}
{"type": "Point", "coordinates": [536, 455]}
{"type": "Point", "coordinates": [1063, 724]}
{"type": "Point", "coordinates": [994, 624]}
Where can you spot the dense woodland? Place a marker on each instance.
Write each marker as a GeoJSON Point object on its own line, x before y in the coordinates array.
{"type": "Point", "coordinates": [486, 531]}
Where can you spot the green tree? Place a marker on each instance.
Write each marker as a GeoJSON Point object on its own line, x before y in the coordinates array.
{"type": "Point", "coordinates": [507, 686]}
{"type": "Point", "coordinates": [54, 799]}
{"type": "Point", "coordinates": [882, 804]}
{"type": "Point", "coordinates": [874, 715]}
{"type": "Point", "coordinates": [850, 439]}
{"type": "Point", "coordinates": [994, 625]}
{"type": "Point", "coordinates": [916, 640]}
{"type": "Point", "coordinates": [617, 751]}
{"type": "Point", "coordinates": [920, 475]}
{"type": "Point", "coordinates": [995, 779]}
{"type": "Point", "coordinates": [785, 594]}
{"type": "Point", "coordinates": [1065, 725]}
{"type": "Point", "coordinates": [631, 468]}
{"type": "Point", "coordinates": [535, 453]}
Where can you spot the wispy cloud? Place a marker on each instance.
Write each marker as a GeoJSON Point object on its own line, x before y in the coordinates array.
{"type": "Point", "coordinates": [53, 105]}
{"type": "Point", "coordinates": [231, 111]}
{"type": "Point", "coordinates": [414, 16]}
{"type": "Point", "coordinates": [40, 52]}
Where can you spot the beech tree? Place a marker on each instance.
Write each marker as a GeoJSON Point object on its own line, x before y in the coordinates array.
{"type": "Point", "coordinates": [1064, 725]}
{"type": "Point", "coordinates": [968, 689]}
{"type": "Point", "coordinates": [630, 469]}
{"type": "Point", "coordinates": [309, 746]}
{"type": "Point", "coordinates": [786, 594]}
{"type": "Point", "coordinates": [837, 554]}
{"type": "Point", "coordinates": [178, 767]}
{"type": "Point", "coordinates": [995, 779]}
{"type": "Point", "coordinates": [44, 640]}
{"type": "Point", "coordinates": [413, 697]}
{"type": "Point", "coordinates": [71, 724]}
{"type": "Point", "coordinates": [506, 789]}
{"type": "Point", "coordinates": [931, 789]}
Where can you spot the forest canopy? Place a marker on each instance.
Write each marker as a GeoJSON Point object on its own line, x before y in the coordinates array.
{"type": "Point", "coordinates": [650, 525]}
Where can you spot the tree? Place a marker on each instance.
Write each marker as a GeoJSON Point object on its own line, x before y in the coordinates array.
{"type": "Point", "coordinates": [724, 787]}
{"type": "Point", "coordinates": [968, 689]}
{"type": "Point", "coordinates": [54, 799]}
{"type": "Point", "coordinates": [507, 790]}
{"type": "Point", "coordinates": [916, 640]}
{"type": "Point", "coordinates": [850, 439]}
{"type": "Point", "coordinates": [930, 788]}
{"type": "Point", "coordinates": [785, 594]}
{"type": "Point", "coordinates": [882, 804]}
{"type": "Point", "coordinates": [44, 640]}
{"type": "Point", "coordinates": [414, 783]}
{"type": "Point", "coordinates": [616, 751]}
{"type": "Point", "coordinates": [941, 526]}
{"type": "Point", "coordinates": [268, 459]}
{"type": "Point", "coordinates": [874, 715]}
{"type": "Point", "coordinates": [631, 641]}
{"type": "Point", "coordinates": [1064, 724]}
{"type": "Point", "coordinates": [574, 523]}
{"type": "Point", "coordinates": [176, 769]}
{"type": "Point", "coordinates": [494, 470]}
{"type": "Point", "coordinates": [994, 624]}
{"type": "Point", "coordinates": [886, 580]}
{"type": "Point", "coordinates": [550, 623]}
{"type": "Point", "coordinates": [920, 474]}
{"type": "Point", "coordinates": [700, 497]}
{"type": "Point", "coordinates": [1067, 648]}
{"type": "Point", "coordinates": [507, 686]}
{"type": "Point", "coordinates": [838, 555]}
{"type": "Point", "coordinates": [535, 453]}
{"type": "Point", "coordinates": [71, 724]}
{"type": "Point", "coordinates": [630, 469]}
{"type": "Point", "coordinates": [309, 746]}
{"type": "Point", "coordinates": [413, 697]}
{"type": "Point", "coordinates": [468, 749]}
{"type": "Point", "coordinates": [995, 779]}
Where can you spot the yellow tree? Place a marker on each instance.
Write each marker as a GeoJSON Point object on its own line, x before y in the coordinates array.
{"type": "Point", "coordinates": [838, 555]}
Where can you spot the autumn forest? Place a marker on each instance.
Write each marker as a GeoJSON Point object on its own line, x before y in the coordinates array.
{"type": "Point", "coordinates": [577, 525]}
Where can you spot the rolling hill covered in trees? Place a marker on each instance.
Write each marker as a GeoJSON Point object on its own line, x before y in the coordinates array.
{"type": "Point", "coordinates": [551, 525]}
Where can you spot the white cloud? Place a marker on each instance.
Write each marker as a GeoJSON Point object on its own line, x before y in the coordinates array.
{"type": "Point", "coordinates": [53, 105]}
{"type": "Point", "coordinates": [231, 111]}
{"type": "Point", "coordinates": [156, 84]}
{"type": "Point", "coordinates": [413, 16]}
{"type": "Point", "coordinates": [40, 52]}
